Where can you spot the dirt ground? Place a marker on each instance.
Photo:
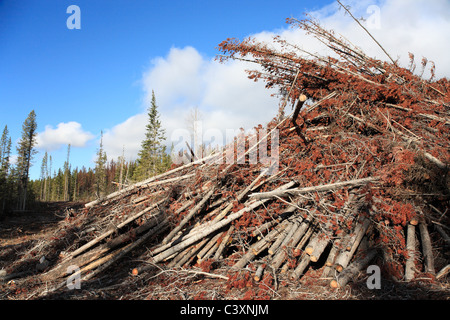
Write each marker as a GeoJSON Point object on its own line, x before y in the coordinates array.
{"type": "Point", "coordinates": [22, 236]}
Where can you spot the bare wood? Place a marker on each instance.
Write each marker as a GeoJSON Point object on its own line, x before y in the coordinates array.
{"type": "Point", "coordinates": [282, 253]}
{"type": "Point", "coordinates": [344, 258]}
{"type": "Point", "coordinates": [146, 182]}
{"type": "Point", "coordinates": [414, 220]}
{"type": "Point", "coordinates": [258, 275]}
{"type": "Point", "coordinates": [309, 233]}
{"type": "Point", "coordinates": [190, 253]}
{"type": "Point", "coordinates": [161, 256]}
{"type": "Point", "coordinates": [244, 193]}
{"type": "Point", "coordinates": [325, 187]}
{"type": "Point", "coordinates": [304, 262]}
{"type": "Point", "coordinates": [264, 243]}
{"type": "Point", "coordinates": [266, 226]}
{"type": "Point", "coordinates": [274, 247]}
{"type": "Point", "coordinates": [188, 217]}
{"type": "Point", "coordinates": [224, 243]}
{"type": "Point", "coordinates": [113, 258]}
{"type": "Point", "coordinates": [301, 100]}
{"type": "Point", "coordinates": [259, 246]}
{"type": "Point", "coordinates": [411, 248]}
{"type": "Point", "coordinates": [151, 233]}
{"type": "Point", "coordinates": [111, 231]}
{"type": "Point", "coordinates": [352, 270]}
{"type": "Point", "coordinates": [211, 243]}
{"type": "Point", "coordinates": [443, 272]}
{"type": "Point", "coordinates": [426, 248]}
{"type": "Point", "coordinates": [332, 255]}
{"type": "Point", "coordinates": [319, 248]}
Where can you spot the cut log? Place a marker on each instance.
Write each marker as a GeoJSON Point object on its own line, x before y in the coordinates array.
{"type": "Point", "coordinates": [259, 272]}
{"type": "Point", "coordinates": [308, 234]}
{"type": "Point", "coordinates": [211, 243]}
{"type": "Point", "coordinates": [299, 270]}
{"type": "Point", "coordinates": [147, 182]}
{"type": "Point", "coordinates": [111, 231]}
{"type": "Point", "coordinates": [264, 243]}
{"type": "Point", "coordinates": [344, 258]}
{"type": "Point", "coordinates": [411, 247]}
{"type": "Point", "coordinates": [262, 229]}
{"type": "Point", "coordinates": [280, 239]}
{"type": "Point", "coordinates": [282, 253]}
{"type": "Point", "coordinates": [443, 272]}
{"type": "Point", "coordinates": [301, 100]}
{"type": "Point", "coordinates": [188, 217]}
{"type": "Point", "coordinates": [426, 248]}
{"type": "Point", "coordinates": [223, 243]}
{"type": "Point", "coordinates": [325, 187]}
{"type": "Point", "coordinates": [352, 270]}
{"type": "Point", "coordinates": [319, 248]}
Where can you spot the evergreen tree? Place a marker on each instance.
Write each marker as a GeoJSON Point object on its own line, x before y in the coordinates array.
{"type": "Point", "coordinates": [5, 152]}
{"type": "Point", "coordinates": [44, 177]}
{"type": "Point", "coordinates": [26, 151]}
{"type": "Point", "coordinates": [66, 175]}
{"type": "Point", "coordinates": [100, 174]}
{"type": "Point", "coordinates": [150, 157]}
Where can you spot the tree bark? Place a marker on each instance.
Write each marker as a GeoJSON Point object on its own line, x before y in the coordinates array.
{"type": "Point", "coordinates": [411, 247]}
{"type": "Point", "coordinates": [426, 248]}
{"type": "Point", "coordinates": [111, 231]}
{"type": "Point", "coordinates": [352, 270]}
{"type": "Point", "coordinates": [325, 187]}
{"type": "Point", "coordinates": [186, 219]}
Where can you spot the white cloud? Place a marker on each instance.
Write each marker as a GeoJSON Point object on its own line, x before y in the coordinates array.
{"type": "Point", "coordinates": [400, 26]}
{"type": "Point", "coordinates": [64, 134]}
{"type": "Point", "coordinates": [184, 80]}
{"type": "Point", "coordinates": [227, 99]}
{"type": "Point", "coordinates": [126, 136]}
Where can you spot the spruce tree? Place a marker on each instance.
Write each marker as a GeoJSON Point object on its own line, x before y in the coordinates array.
{"type": "Point", "coordinates": [44, 177]}
{"type": "Point", "coordinates": [5, 152]}
{"type": "Point", "coordinates": [25, 153]}
{"type": "Point", "coordinates": [150, 157]}
{"type": "Point", "coordinates": [100, 174]}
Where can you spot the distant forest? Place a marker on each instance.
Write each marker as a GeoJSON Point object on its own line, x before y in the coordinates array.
{"type": "Point", "coordinates": [19, 193]}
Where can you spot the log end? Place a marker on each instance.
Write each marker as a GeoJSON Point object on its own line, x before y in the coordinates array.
{"type": "Point", "coordinates": [309, 250]}
{"type": "Point", "coordinates": [334, 284]}
{"type": "Point", "coordinates": [135, 272]}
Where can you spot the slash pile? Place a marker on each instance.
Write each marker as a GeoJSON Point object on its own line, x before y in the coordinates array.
{"type": "Point", "coordinates": [362, 178]}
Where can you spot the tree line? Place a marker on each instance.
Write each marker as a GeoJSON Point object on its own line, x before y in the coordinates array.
{"type": "Point", "coordinates": [18, 192]}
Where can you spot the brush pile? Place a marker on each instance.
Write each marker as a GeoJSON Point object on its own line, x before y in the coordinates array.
{"type": "Point", "coordinates": [361, 178]}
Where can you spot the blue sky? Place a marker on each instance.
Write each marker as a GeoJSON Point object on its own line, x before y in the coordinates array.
{"type": "Point", "coordinates": [80, 82]}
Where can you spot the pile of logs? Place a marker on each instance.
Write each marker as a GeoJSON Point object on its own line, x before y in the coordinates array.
{"type": "Point", "coordinates": [362, 178]}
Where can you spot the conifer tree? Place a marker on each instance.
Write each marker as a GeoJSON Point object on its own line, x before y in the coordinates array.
{"type": "Point", "coordinates": [100, 174]}
{"type": "Point", "coordinates": [44, 177]}
{"type": "Point", "coordinates": [152, 153]}
{"type": "Point", "coordinates": [5, 152]}
{"type": "Point", "coordinates": [26, 151]}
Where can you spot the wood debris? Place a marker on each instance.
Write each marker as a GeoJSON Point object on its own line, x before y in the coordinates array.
{"type": "Point", "coordinates": [365, 152]}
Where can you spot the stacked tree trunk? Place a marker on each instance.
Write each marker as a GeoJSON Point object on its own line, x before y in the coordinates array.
{"type": "Point", "coordinates": [362, 175]}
